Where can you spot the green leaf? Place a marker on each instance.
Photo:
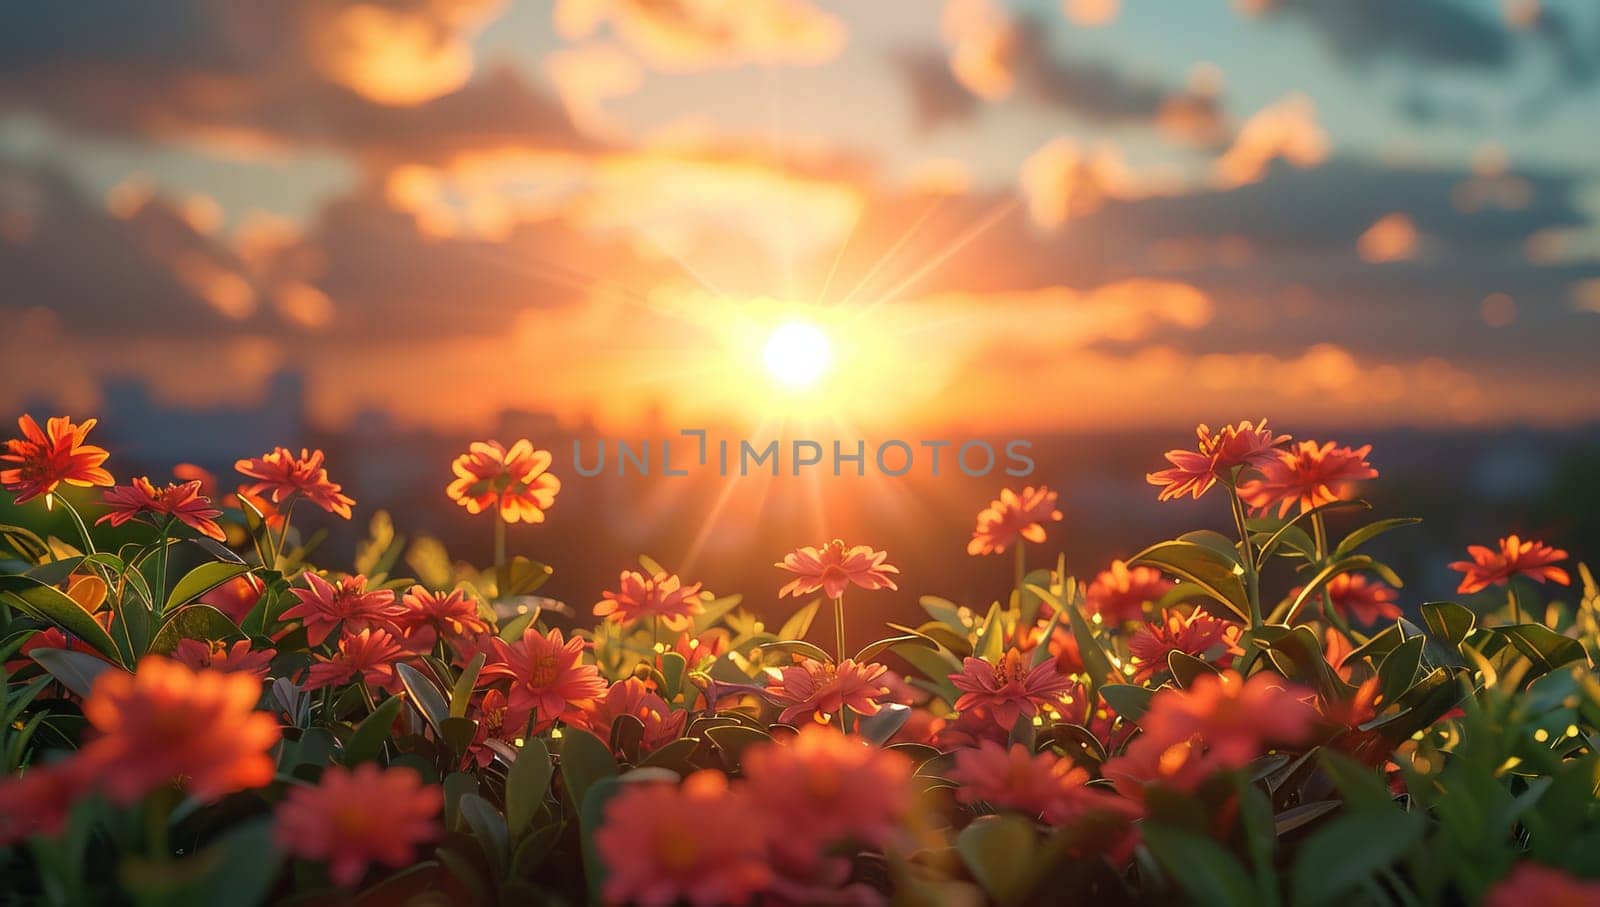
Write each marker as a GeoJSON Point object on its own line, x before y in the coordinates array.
{"type": "Point", "coordinates": [238, 867]}
{"type": "Point", "coordinates": [799, 623]}
{"type": "Point", "coordinates": [1127, 700]}
{"type": "Point", "coordinates": [585, 760]}
{"type": "Point", "coordinates": [48, 603]}
{"type": "Point", "coordinates": [1399, 669]}
{"type": "Point", "coordinates": [527, 782]}
{"type": "Point", "coordinates": [1287, 614]}
{"type": "Point", "coordinates": [1542, 646]}
{"type": "Point", "coordinates": [200, 580]}
{"type": "Point", "coordinates": [734, 739]}
{"type": "Point", "coordinates": [1208, 874]}
{"type": "Point", "coordinates": [367, 742]}
{"type": "Point", "coordinates": [1449, 621]}
{"type": "Point", "coordinates": [1186, 668]}
{"type": "Point", "coordinates": [1367, 533]}
{"type": "Point", "coordinates": [201, 622]}
{"type": "Point", "coordinates": [1216, 576]}
{"type": "Point", "coordinates": [523, 577]}
{"type": "Point", "coordinates": [489, 828]}
{"type": "Point", "coordinates": [944, 611]}
{"type": "Point", "coordinates": [674, 755]}
{"type": "Point", "coordinates": [877, 729]}
{"type": "Point", "coordinates": [882, 645]}
{"type": "Point", "coordinates": [997, 851]}
{"type": "Point", "coordinates": [461, 695]}
{"type": "Point", "coordinates": [425, 696]}
{"type": "Point", "coordinates": [591, 815]}
{"type": "Point", "coordinates": [76, 670]}
{"type": "Point", "coordinates": [457, 785]}
{"type": "Point", "coordinates": [1350, 849]}
{"type": "Point", "coordinates": [1094, 658]}
{"type": "Point", "coordinates": [797, 647]}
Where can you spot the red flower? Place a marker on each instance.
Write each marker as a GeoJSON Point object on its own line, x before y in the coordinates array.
{"type": "Point", "coordinates": [354, 818]}
{"type": "Point", "coordinates": [514, 480]}
{"type": "Point", "coordinates": [496, 721]}
{"type": "Point", "coordinates": [46, 458]}
{"type": "Point", "coordinates": [1013, 516]}
{"type": "Point", "coordinates": [183, 502]}
{"type": "Point", "coordinates": [1309, 474]}
{"type": "Point", "coordinates": [662, 596]}
{"type": "Point", "coordinates": [236, 598]}
{"type": "Point", "coordinates": [1195, 634]}
{"type": "Point", "coordinates": [1193, 472]}
{"type": "Point", "coordinates": [1530, 883]}
{"type": "Point", "coordinates": [425, 616]}
{"type": "Point", "coordinates": [39, 801]}
{"type": "Point", "coordinates": [1515, 557]}
{"type": "Point", "coordinates": [833, 567]}
{"type": "Point", "coordinates": [1119, 594]}
{"type": "Point", "coordinates": [697, 842]}
{"type": "Point", "coordinates": [697, 649]}
{"type": "Point", "coordinates": [371, 654]}
{"type": "Point", "coordinates": [1041, 785]}
{"type": "Point", "coordinates": [166, 723]}
{"type": "Point", "coordinates": [280, 475]}
{"type": "Point", "coordinates": [815, 691]}
{"type": "Point", "coordinates": [662, 725]}
{"type": "Point", "coordinates": [199, 654]}
{"type": "Point", "coordinates": [324, 605]}
{"type": "Point", "coordinates": [548, 675]}
{"type": "Point", "coordinates": [1355, 596]}
{"type": "Point", "coordinates": [1009, 689]}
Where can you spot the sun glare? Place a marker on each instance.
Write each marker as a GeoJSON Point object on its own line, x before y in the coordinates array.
{"type": "Point", "coordinates": [797, 354]}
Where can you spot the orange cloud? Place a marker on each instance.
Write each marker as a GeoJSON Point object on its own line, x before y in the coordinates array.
{"type": "Point", "coordinates": [983, 47]}
{"type": "Point", "coordinates": [687, 35]}
{"type": "Point", "coordinates": [587, 76]}
{"type": "Point", "coordinates": [1091, 13]}
{"type": "Point", "coordinates": [1392, 237]}
{"type": "Point", "coordinates": [1062, 180]}
{"type": "Point", "coordinates": [396, 56]}
{"type": "Point", "coordinates": [1287, 129]}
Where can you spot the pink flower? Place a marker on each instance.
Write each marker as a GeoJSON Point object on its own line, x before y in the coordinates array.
{"type": "Point", "coordinates": [661, 596]}
{"type": "Point", "coordinates": [828, 789]}
{"type": "Point", "coordinates": [283, 475]}
{"type": "Point", "coordinates": [1009, 689]}
{"type": "Point", "coordinates": [496, 721]}
{"type": "Point", "coordinates": [1119, 593]}
{"type": "Point", "coordinates": [1496, 568]}
{"type": "Point", "coordinates": [548, 675]}
{"type": "Point", "coordinates": [833, 567]}
{"type": "Point", "coordinates": [1014, 516]}
{"type": "Point", "coordinates": [425, 616]}
{"type": "Point", "coordinates": [1309, 474]}
{"type": "Point", "coordinates": [698, 842]}
{"type": "Point", "coordinates": [356, 817]}
{"type": "Point", "coordinates": [630, 696]}
{"type": "Point", "coordinates": [324, 606]}
{"type": "Point", "coordinates": [220, 656]}
{"type": "Point", "coordinates": [816, 691]}
{"type": "Point", "coordinates": [1194, 634]}
{"type": "Point", "coordinates": [183, 503]}
{"type": "Point", "coordinates": [1193, 472]}
{"type": "Point", "coordinates": [369, 656]}
{"type": "Point", "coordinates": [1040, 785]}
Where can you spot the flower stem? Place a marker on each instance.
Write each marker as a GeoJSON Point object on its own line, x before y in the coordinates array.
{"type": "Point", "coordinates": [1251, 578]}
{"type": "Point", "coordinates": [1319, 534]}
{"type": "Point", "coordinates": [160, 592]}
{"type": "Point", "coordinates": [1511, 598]}
{"type": "Point", "coordinates": [1021, 569]}
{"type": "Point", "coordinates": [83, 529]}
{"type": "Point", "coordinates": [499, 555]}
{"type": "Point", "coordinates": [283, 533]}
{"type": "Point", "coordinates": [838, 629]}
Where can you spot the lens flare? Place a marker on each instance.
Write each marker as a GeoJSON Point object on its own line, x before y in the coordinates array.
{"type": "Point", "coordinates": [797, 354]}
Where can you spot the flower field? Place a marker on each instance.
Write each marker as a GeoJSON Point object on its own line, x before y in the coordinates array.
{"type": "Point", "coordinates": [198, 711]}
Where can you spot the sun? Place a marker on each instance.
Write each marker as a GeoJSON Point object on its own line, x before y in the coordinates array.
{"type": "Point", "coordinates": [797, 354]}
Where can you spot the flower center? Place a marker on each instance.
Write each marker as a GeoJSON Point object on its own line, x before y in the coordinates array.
{"type": "Point", "coordinates": [544, 671]}
{"type": "Point", "coordinates": [676, 850]}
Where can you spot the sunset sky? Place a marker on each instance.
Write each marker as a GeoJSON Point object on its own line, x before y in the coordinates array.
{"type": "Point", "coordinates": [1005, 216]}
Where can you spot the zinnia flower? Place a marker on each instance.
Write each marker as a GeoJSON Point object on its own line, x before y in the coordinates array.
{"type": "Point", "coordinates": [697, 842]}
{"type": "Point", "coordinates": [182, 502]}
{"type": "Point", "coordinates": [200, 654]}
{"type": "Point", "coordinates": [370, 655]}
{"type": "Point", "coordinates": [1014, 516]}
{"type": "Point", "coordinates": [816, 691]}
{"type": "Point", "coordinates": [1193, 472]}
{"type": "Point", "coordinates": [662, 596]}
{"type": "Point", "coordinates": [426, 616]}
{"type": "Point", "coordinates": [1194, 634]}
{"type": "Point", "coordinates": [514, 480]}
{"type": "Point", "coordinates": [1309, 474]}
{"type": "Point", "coordinates": [1530, 883]}
{"type": "Point", "coordinates": [356, 817]}
{"type": "Point", "coordinates": [280, 475]}
{"type": "Point", "coordinates": [829, 789]}
{"type": "Point", "coordinates": [237, 597]}
{"type": "Point", "coordinates": [46, 458]}
{"type": "Point", "coordinates": [1009, 689]}
{"type": "Point", "coordinates": [1515, 557]}
{"type": "Point", "coordinates": [631, 696]}
{"type": "Point", "coordinates": [39, 801]}
{"type": "Point", "coordinates": [167, 723]}
{"type": "Point", "coordinates": [1119, 593]}
{"type": "Point", "coordinates": [548, 675]}
{"type": "Point", "coordinates": [496, 721]}
{"type": "Point", "coordinates": [1355, 596]}
{"type": "Point", "coordinates": [324, 605]}
{"type": "Point", "coordinates": [833, 567]}
{"type": "Point", "coordinates": [1042, 785]}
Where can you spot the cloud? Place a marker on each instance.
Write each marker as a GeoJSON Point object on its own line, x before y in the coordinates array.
{"type": "Point", "coordinates": [1063, 180]}
{"type": "Point", "coordinates": [1287, 130]}
{"type": "Point", "coordinates": [688, 35]}
{"type": "Point", "coordinates": [587, 76]}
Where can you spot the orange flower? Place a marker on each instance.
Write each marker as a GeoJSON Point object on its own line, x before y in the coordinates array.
{"type": "Point", "coordinates": [1012, 516]}
{"type": "Point", "coordinates": [236, 598]}
{"type": "Point", "coordinates": [39, 801]}
{"type": "Point", "coordinates": [279, 475]}
{"type": "Point", "coordinates": [1309, 474]}
{"type": "Point", "coordinates": [662, 596]}
{"type": "Point", "coordinates": [1193, 472]}
{"type": "Point", "coordinates": [816, 691]}
{"type": "Point", "coordinates": [630, 696]}
{"type": "Point", "coordinates": [324, 605]}
{"type": "Point", "coordinates": [1194, 635]}
{"type": "Point", "coordinates": [354, 818]}
{"type": "Point", "coordinates": [1530, 883]}
{"type": "Point", "coordinates": [167, 723]}
{"type": "Point", "coordinates": [1119, 593]}
{"type": "Point", "coordinates": [371, 654]}
{"type": "Point", "coordinates": [833, 567]}
{"type": "Point", "coordinates": [1516, 557]}
{"type": "Point", "coordinates": [496, 721]}
{"type": "Point", "coordinates": [697, 649]}
{"type": "Point", "coordinates": [1355, 596]}
{"type": "Point", "coordinates": [1009, 689]}
{"type": "Point", "coordinates": [514, 480]}
{"type": "Point", "coordinates": [1041, 785]}
{"type": "Point", "coordinates": [199, 654]}
{"type": "Point", "coordinates": [698, 843]}
{"type": "Point", "coordinates": [181, 502]}
{"type": "Point", "coordinates": [548, 675]}
{"type": "Point", "coordinates": [46, 458]}
{"type": "Point", "coordinates": [426, 615]}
